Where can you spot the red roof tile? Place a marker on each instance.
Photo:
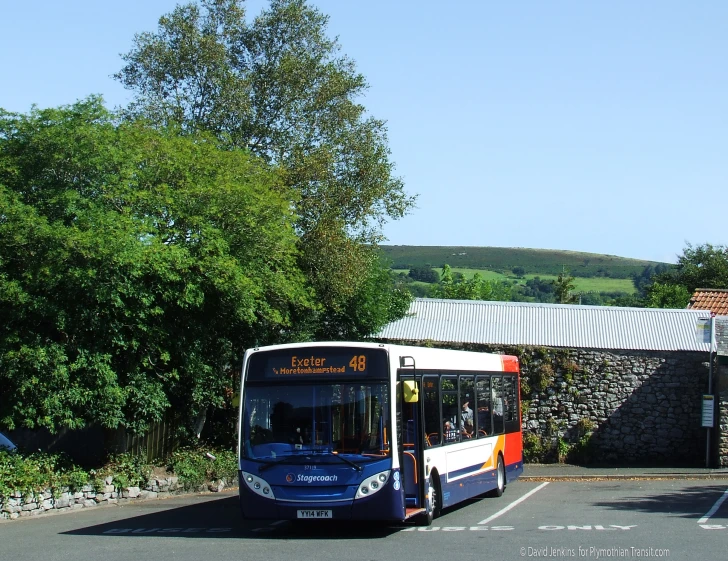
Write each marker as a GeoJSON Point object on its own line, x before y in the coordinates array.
{"type": "Point", "coordinates": [713, 299]}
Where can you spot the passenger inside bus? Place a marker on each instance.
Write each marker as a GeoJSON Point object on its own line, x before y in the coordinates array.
{"type": "Point", "coordinates": [299, 437]}
{"type": "Point", "coordinates": [451, 435]}
{"type": "Point", "coordinates": [466, 420]}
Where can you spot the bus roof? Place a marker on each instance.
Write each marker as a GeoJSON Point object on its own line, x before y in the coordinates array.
{"type": "Point", "coordinates": [424, 357]}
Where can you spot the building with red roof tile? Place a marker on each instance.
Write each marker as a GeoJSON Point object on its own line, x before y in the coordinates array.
{"type": "Point", "coordinates": [713, 299]}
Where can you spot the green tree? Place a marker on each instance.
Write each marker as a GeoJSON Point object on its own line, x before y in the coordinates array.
{"type": "Point", "coordinates": [370, 309]}
{"type": "Point", "coordinates": [135, 267]}
{"type": "Point", "coordinates": [454, 286]}
{"type": "Point", "coordinates": [537, 289]}
{"type": "Point", "coordinates": [424, 274]}
{"type": "Point", "coordinates": [564, 289]}
{"type": "Point", "coordinates": [447, 288]}
{"type": "Point", "coordinates": [667, 296]}
{"type": "Point", "coordinates": [702, 266]}
{"type": "Point", "coordinates": [592, 299]}
{"type": "Point", "coordinates": [280, 88]}
{"type": "Point", "coordinates": [643, 279]}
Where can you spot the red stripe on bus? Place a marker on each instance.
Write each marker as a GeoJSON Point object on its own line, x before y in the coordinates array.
{"type": "Point", "coordinates": [510, 363]}
{"type": "Point", "coordinates": [513, 452]}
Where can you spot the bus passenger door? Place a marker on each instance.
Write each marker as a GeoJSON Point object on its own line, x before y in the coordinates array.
{"type": "Point", "coordinates": [411, 439]}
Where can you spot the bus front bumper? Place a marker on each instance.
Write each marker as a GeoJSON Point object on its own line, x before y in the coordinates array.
{"type": "Point", "coordinates": [386, 504]}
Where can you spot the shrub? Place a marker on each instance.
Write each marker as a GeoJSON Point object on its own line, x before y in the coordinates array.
{"type": "Point", "coordinates": [533, 450]}
{"type": "Point", "coordinates": [197, 465]}
{"type": "Point", "coordinates": [129, 470]}
{"type": "Point", "coordinates": [570, 368]}
{"type": "Point", "coordinates": [542, 377]}
{"type": "Point", "coordinates": [525, 387]}
{"type": "Point", "coordinates": [581, 451]}
{"type": "Point", "coordinates": [225, 466]}
{"type": "Point", "coordinates": [585, 426]}
{"type": "Point", "coordinates": [37, 472]}
{"type": "Point", "coordinates": [190, 465]}
{"type": "Point", "coordinates": [563, 448]}
{"type": "Point", "coordinates": [525, 409]}
{"type": "Point", "coordinates": [76, 478]}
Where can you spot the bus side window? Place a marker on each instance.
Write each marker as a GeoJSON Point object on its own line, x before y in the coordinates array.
{"type": "Point", "coordinates": [431, 402]}
{"type": "Point", "coordinates": [483, 418]}
{"type": "Point", "coordinates": [510, 409]}
{"type": "Point", "coordinates": [450, 408]}
{"type": "Point", "coordinates": [497, 404]}
{"type": "Point", "coordinates": [466, 423]}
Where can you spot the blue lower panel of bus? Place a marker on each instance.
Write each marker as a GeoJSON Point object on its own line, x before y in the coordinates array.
{"type": "Point", "coordinates": [457, 490]}
{"type": "Point", "coordinates": [514, 471]}
{"type": "Point", "coordinates": [385, 504]}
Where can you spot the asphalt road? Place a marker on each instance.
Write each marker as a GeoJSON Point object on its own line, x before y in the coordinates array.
{"type": "Point", "coordinates": [666, 519]}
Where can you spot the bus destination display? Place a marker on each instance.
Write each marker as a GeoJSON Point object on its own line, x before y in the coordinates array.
{"type": "Point", "coordinates": [318, 364]}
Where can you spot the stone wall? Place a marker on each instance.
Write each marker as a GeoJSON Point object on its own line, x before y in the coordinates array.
{"type": "Point", "coordinates": [17, 505]}
{"type": "Point", "coordinates": [620, 407]}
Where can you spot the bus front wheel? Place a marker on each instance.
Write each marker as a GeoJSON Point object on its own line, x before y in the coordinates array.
{"type": "Point", "coordinates": [433, 501]}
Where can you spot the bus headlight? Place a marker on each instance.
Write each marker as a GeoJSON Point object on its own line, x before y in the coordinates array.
{"type": "Point", "coordinates": [257, 485]}
{"type": "Point", "coordinates": [372, 484]}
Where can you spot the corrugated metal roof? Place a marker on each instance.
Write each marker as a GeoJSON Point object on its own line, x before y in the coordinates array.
{"type": "Point", "coordinates": [550, 325]}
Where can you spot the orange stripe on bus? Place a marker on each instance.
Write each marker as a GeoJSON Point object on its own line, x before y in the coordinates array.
{"type": "Point", "coordinates": [500, 447]}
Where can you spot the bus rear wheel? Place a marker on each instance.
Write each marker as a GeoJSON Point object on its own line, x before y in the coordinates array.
{"type": "Point", "coordinates": [501, 479]}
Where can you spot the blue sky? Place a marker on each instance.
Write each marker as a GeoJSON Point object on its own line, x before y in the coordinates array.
{"type": "Point", "coordinates": [598, 126]}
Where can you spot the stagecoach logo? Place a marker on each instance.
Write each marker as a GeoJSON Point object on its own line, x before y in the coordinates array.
{"type": "Point", "coordinates": [301, 478]}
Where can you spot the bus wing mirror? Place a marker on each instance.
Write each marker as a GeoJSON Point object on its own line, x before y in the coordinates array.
{"type": "Point", "coordinates": [411, 392]}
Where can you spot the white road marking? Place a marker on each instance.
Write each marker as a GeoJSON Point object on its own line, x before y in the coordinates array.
{"type": "Point", "coordinates": [715, 508]}
{"type": "Point", "coordinates": [513, 504]}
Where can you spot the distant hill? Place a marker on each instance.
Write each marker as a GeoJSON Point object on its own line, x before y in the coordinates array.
{"type": "Point", "coordinates": [504, 259]}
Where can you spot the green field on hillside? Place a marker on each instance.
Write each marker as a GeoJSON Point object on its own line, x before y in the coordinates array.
{"type": "Point", "coordinates": [504, 260]}
{"type": "Point", "coordinates": [592, 284]}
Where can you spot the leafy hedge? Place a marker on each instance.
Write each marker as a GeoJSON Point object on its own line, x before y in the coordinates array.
{"type": "Point", "coordinates": [194, 467]}
{"type": "Point", "coordinates": [34, 473]}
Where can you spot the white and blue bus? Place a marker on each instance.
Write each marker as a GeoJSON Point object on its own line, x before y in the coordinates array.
{"type": "Point", "coordinates": [368, 431]}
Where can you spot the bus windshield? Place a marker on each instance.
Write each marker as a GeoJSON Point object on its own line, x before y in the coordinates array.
{"type": "Point", "coordinates": [285, 423]}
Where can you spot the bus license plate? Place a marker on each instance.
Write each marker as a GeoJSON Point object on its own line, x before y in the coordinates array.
{"type": "Point", "coordinates": [314, 514]}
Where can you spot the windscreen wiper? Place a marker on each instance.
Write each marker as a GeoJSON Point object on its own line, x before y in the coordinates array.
{"type": "Point", "coordinates": [356, 466]}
